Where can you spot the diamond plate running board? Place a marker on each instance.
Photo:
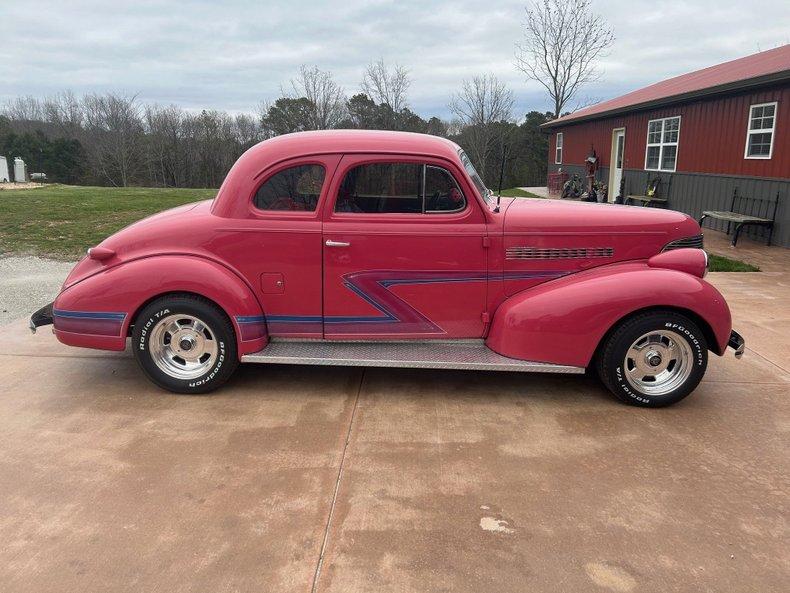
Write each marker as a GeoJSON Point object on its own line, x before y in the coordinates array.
{"type": "Point", "coordinates": [445, 354]}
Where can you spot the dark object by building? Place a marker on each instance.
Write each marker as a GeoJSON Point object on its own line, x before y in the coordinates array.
{"type": "Point", "coordinates": [703, 134]}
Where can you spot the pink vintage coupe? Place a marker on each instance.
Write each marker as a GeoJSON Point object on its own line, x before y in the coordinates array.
{"type": "Point", "coordinates": [386, 249]}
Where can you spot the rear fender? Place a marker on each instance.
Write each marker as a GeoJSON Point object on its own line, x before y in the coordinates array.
{"type": "Point", "coordinates": [564, 320]}
{"type": "Point", "coordinates": [97, 312]}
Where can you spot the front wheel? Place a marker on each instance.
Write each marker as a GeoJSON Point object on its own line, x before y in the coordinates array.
{"type": "Point", "coordinates": [185, 344]}
{"type": "Point", "coordinates": [653, 359]}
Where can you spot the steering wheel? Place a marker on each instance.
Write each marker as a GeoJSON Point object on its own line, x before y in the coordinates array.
{"type": "Point", "coordinates": [433, 203]}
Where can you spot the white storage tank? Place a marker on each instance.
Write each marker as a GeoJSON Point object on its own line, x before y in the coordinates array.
{"type": "Point", "coordinates": [20, 170]}
{"type": "Point", "coordinates": [4, 170]}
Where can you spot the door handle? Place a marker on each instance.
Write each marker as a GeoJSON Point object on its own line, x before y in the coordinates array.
{"type": "Point", "coordinates": [330, 243]}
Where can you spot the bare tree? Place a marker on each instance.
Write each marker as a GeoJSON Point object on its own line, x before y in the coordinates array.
{"type": "Point", "coordinates": [482, 102]}
{"type": "Point", "coordinates": [562, 42]}
{"type": "Point", "coordinates": [64, 111]}
{"type": "Point", "coordinates": [165, 145]}
{"type": "Point", "coordinates": [25, 113]}
{"type": "Point", "coordinates": [386, 85]}
{"type": "Point", "coordinates": [327, 97]}
{"type": "Point", "coordinates": [115, 129]}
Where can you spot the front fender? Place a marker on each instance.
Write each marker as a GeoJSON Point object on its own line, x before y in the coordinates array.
{"type": "Point", "coordinates": [564, 320]}
{"type": "Point", "coordinates": [96, 312]}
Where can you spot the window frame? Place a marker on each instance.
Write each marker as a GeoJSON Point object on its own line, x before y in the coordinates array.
{"type": "Point", "coordinates": [661, 144]}
{"type": "Point", "coordinates": [750, 132]}
{"type": "Point", "coordinates": [559, 147]}
{"type": "Point", "coordinates": [423, 164]}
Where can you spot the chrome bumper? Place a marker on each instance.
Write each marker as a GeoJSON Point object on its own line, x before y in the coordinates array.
{"type": "Point", "coordinates": [41, 317]}
{"type": "Point", "coordinates": [737, 343]}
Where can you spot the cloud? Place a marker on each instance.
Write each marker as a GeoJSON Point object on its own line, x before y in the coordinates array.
{"type": "Point", "coordinates": [233, 54]}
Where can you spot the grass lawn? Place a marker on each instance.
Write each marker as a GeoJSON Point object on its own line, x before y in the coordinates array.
{"type": "Point", "coordinates": [61, 221]}
{"type": "Point", "coordinates": [515, 192]}
{"type": "Point", "coordinates": [719, 263]}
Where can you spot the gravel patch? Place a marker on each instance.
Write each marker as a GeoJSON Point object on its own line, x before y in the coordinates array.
{"type": "Point", "coordinates": [28, 283]}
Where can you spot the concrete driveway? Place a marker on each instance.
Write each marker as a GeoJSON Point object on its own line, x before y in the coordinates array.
{"type": "Point", "coordinates": [349, 480]}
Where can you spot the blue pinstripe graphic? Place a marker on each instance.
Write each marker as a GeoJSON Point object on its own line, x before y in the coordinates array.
{"type": "Point", "coordinates": [250, 318]}
{"type": "Point", "coordinates": [89, 315]}
{"type": "Point", "coordinates": [387, 316]}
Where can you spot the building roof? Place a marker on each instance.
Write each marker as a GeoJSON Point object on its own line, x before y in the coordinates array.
{"type": "Point", "coordinates": [768, 66]}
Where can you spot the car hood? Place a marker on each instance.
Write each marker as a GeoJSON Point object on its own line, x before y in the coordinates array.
{"type": "Point", "coordinates": [532, 214]}
{"type": "Point", "coordinates": [545, 239]}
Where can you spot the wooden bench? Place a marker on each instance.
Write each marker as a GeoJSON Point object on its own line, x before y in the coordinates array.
{"type": "Point", "coordinates": [741, 220]}
{"type": "Point", "coordinates": [650, 197]}
{"type": "Point", "coordinates": [645, 200]}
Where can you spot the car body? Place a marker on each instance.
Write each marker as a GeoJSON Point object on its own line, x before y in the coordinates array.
{"type": "Point", "coordinates": [320, 241]}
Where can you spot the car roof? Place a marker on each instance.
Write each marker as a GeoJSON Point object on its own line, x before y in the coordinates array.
{"type": "Point", "coordinates": [241, 177]}
{"type": "Point", "coordinates": [334, 141]}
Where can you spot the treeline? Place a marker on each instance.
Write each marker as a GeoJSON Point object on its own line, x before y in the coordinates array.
{"type": "Point", "coordinates": [117, 140]}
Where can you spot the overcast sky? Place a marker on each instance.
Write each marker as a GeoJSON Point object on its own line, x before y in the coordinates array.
{"type": "Point", "coordinates": [231, 54]}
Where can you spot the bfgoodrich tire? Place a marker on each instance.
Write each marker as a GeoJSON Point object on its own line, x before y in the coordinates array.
{"type": "Point", "coordinates": [185, 344]}
{"type": "Point", "coordinates": [653, 359]}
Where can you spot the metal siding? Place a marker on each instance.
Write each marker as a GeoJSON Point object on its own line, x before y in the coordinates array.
{"type": "Point", "coordinates": [712, 136]}
{"type": "Point", "coordinates": [694, 192]}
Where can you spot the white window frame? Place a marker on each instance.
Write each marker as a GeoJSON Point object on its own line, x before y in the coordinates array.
{"type": "Point", "coordinates": [749, 131]}
{"type": "Point", "coordinates": [661, 144]}
{"type": "Point", "coordinates": [559, 146]}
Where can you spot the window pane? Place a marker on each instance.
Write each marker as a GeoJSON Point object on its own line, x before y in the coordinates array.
{"type": "Point", "coordinates": [759, 144]}
{"type": "Point", "coordinates": [470, 169]}
{"type": "Point", "coordinates": [768, 110]}
{"type": "Point", "coordinates": [558, 156]}
{"type": "Point", "coordinates": [652, 157]}
{"type": "Point", "coordinates": [559, 140]}
{"type": "Point", "coordinates": [297, 188]}
{"type": "Point", "coordinates": [668, 157]}
{"type": "Point", "coordinates": [654, 132]}
{"type": "Point", "coordinates": [441, 192]}
{"type": "Point", "coordinates": [381, 187]}
{"type": "Point", "coordinates": [671, 129]}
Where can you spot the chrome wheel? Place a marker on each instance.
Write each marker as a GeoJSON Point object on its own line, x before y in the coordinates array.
{"type": "Point", "coordinates": [658, 362]}
{"type": "Point", "coordinates": [183, 347]}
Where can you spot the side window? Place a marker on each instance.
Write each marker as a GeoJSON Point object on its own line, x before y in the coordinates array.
{"type": "Point", "coordinates": [381, 187]}
{"type": "Point", "coordinates": [760, 132]}
{"type": "Point", "coordinates": [442, 193]}
{"type": "Point", "coordinates": [398, 188]}
{"type": "Point", "coordinates": [558, 149]}
{"type": "Point", "coordinates": [295, 189]}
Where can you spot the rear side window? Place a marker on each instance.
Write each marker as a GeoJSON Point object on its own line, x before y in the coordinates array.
{"type": "Point", "coordinates": [399, 188]}
{"type": "Point", "coordinates": [293, 189]}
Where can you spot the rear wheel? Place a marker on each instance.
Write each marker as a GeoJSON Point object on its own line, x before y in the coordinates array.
{"type": "Point", "coordinates": [653, 359]}
{"type": "Point", "coordinates": [185, 344]}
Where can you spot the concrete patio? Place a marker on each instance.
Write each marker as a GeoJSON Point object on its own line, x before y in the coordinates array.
{"type": "Point", "coordinates": [343, 479]}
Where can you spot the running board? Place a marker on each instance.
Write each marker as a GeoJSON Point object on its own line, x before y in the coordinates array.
{"type": "Point", "coordinates": [461, 354]}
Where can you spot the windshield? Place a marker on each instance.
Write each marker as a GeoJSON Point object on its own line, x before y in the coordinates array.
{"type": "Point", "coordinates": [470, 168]}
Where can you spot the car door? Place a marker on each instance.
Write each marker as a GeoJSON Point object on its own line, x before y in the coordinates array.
{"type": "Point", "coordinates": [278, 247]}
{"type": "Point", "coordinates": [404, 251]}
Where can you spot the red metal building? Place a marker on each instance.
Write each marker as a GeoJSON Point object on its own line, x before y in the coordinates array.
{"type": "Point", "coordinates": [705, 134]}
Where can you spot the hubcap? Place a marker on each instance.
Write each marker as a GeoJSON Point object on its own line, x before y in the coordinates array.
{"type": "Point", "coordinates": [658, 362]}
{"type": "Point", "coordinates": [183, 347]}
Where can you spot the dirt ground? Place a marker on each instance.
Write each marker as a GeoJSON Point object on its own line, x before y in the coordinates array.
{"type": "Point", "coordinates": [358, 480]}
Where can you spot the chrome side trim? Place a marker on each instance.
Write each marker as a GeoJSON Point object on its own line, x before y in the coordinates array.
{"type": "Point", "coordinates": [558, 252]}
{"type": "Point", "coordinates": [425, 354]}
